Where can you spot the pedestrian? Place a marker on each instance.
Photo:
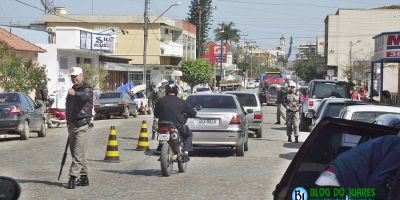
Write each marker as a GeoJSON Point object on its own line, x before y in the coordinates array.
{"type": "Point", "coordinates": [79, 108]}
{"type": "Point", "coordinates": [291, 104]}
{"type": "Point", "coordinates": [355, 95]}
{"type": "Point", "coordinates": [153, 98]}
{"type": "Point", "coordinates": [41, 94]}
{"type": "Point", "coordinates": [280, 112]}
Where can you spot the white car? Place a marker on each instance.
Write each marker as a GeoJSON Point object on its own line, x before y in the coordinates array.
{"type": "Point", "coordinates": [251, 85]}
{"type": "Point", "coordinates": [202, 89]}
{"type": "Point", "coordinates": [139, 97]}
{"type": "Point", "coordinates": [363, 113]}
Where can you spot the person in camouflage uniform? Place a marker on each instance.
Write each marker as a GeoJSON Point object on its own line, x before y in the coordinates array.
{"type": "Point", "coordinates": [291, 104]}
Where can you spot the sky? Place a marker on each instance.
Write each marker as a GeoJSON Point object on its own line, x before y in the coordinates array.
{"type": "Point", "coordinates": [262, 21]}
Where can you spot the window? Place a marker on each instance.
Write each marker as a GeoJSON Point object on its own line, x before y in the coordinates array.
{"type": "Point", "coordinates": [329, 89]}
{"type": "Point", "coordinates": [30, 101]}
{"type": "Point", "coordinates": [110, 95]}
{"type": "Point", "coordinates": [213, 101]}
{"type": "Point", "coordinates": [273, 75]}
{"type": "Point", "coordinates": [246, 99]}
{"type": "Point", "coordinates": [366, 116]}
{"type": "Point", "coordinates": [137, 76]}
{"type": "Point", "coordinates": [87, 61]}
{"type": "Point", "coordinates": [63, 63]}
{"type": "Point", "coordinates": [332, 110]}
{"type": "Point", "coordinates": [9, 98]}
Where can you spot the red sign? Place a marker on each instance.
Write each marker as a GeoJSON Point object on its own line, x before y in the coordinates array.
{"type": "Point", "coordinates": [391, 54]}
{"type": "Point", "coordinates": [393, 40]}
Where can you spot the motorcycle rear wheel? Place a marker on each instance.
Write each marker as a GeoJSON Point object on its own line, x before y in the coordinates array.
{"type": "Point", "coordinates": [166, 159]}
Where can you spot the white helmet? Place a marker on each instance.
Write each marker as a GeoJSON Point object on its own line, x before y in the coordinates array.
{"type": "Point", "coordinates": [292, 84]}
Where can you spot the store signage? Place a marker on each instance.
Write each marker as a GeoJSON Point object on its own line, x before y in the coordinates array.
{"type": "Point", "coordinates": [387, 45]}
{"type": "Point", "coordinates": [96, 42]}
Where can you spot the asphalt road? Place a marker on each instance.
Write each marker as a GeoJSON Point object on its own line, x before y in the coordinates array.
{"type": "Point", "coordinates": [211, 174]}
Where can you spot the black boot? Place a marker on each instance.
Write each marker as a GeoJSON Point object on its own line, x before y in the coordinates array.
{"type": "Point", "coordinates": [277, 123]}
{"type": "Point", "coordinates": [289, 138]}
{"type": "Point", "coordinates": [71, 182]}
{"type": "Point", "coordinates": [296, 139]}
{"type": "Point", "coordinates": [83, 181]}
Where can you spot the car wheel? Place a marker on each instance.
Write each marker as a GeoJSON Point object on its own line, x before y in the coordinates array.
{"type": "Point", "coordinates": [240, 148]}
{"type": "Point", "coordinates": [43, 130]}
{"type": "Point", "coordinates": [25, 132]}
{"type": "Point", "coordinates": [259, 133]}
{"type": "Point", "coordinates": [246, 144]}
{"type": "Point", "coordinates": [126, 113]}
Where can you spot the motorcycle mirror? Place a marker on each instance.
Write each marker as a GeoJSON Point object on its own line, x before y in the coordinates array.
{"type": "Point", "coordinates": [9, 188]}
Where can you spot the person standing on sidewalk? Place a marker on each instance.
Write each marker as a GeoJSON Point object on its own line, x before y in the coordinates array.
{"type": "Point", "coordinates": [280, 112]}
{"type": "Point", "coordinates": [79, 108]}
{"type": "Point", "coordinates": [291, 104]}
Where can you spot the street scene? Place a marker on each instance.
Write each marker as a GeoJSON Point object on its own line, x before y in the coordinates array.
{"type": "Point", "coordinates": [199, 99]}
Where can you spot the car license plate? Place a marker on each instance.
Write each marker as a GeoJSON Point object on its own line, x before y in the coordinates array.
{"type": "Point", "coordinates": [163, 137]}
{"type": "Point", "coordinates": [109, 104]}
{"type": "Point", "coordinates": [209, 122]}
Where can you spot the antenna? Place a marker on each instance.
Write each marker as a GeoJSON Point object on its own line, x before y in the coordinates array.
{"type": "Point", "coordinates": [48, 6]}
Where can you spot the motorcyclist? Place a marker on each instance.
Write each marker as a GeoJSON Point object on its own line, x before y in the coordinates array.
{"type": "Point", "coordinates": [172, 108]}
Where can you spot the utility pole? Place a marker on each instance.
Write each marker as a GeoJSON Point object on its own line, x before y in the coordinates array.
{"type": "Point", "coordinates": [221, 54]}
{"type": "Point", "coordinates": [146, 35]}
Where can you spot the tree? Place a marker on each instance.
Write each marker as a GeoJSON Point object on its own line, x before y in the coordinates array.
{"type": "Point", "coordinates": [15, 75]}
{"type": "Point", "coordinates": [200, 13]}
{"type": "Point", "coordinates": [196, 72]}
{"type": "Point", "coordinates": [94, 77]}
{"type": "Point", "coordinates": [307, 69]}
{"type": "Point", "coordinates": [230, 33]}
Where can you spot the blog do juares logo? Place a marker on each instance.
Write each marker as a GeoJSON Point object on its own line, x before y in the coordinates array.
{"type": "Point", "coordinates": [301, 193]}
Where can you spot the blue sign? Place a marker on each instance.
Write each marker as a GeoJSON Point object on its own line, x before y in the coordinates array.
{"type": "Point", "coordinates": [299, 193]}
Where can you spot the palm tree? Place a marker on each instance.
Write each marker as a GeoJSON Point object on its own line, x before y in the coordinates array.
{"type": "Point", "coordinates": [230, 33]}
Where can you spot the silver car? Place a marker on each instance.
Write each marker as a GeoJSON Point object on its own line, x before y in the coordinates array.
{"type": "Point", "coordinates": [252, 106]}
{"type": "Point", "coordinates": [221, 122]}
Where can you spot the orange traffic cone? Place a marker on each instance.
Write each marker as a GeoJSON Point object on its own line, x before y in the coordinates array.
{"type": "Point", "coordinates": [112, 154]}
{"type": "Point", "coordinates": [143, 143]}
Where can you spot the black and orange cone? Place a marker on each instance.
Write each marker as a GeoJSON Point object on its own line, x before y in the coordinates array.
{"type": "Point", "coordinates": [112, 154]}
{"type": "Point", "coordinates": [143, 143]}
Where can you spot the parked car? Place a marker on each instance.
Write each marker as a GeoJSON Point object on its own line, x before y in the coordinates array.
{"type": "Point", "coordinates": [114, 103]}
{"type": "Point", "coordinates": [252, 106]}
{"type": "Point", "coordinates": [318, 90]}
{"type": "Point", "coordinates": [251, 85]}
{"type": "Point", "coordinates": [20, 115]}
{"type": "Point", "coordinates": [392, 120]}
{"type": "Point", "coordinates": [221, 122]}
{"type": "Point", "coordinates": [331, 107]}
{"type": "Point", "coordinates": [202, 88]}
{"type": "Point", "coordinates": [321, 147]}
{"type": "Point", "coordinates": [303, 93]}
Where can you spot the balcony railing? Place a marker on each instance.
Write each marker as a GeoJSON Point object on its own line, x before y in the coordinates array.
{"type": "Point", "coordinates": [171, 49]}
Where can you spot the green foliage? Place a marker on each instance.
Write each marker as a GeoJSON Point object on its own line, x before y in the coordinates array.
{"type": "Point", "coordinates": [15, 75]}
{"type": "Point", "coordinates": [94, 77]}
{"type": "Point", "coordinates": [196, 72]}
{"type": "Point", "coordinates": [230, 33]}
{"type": "Point", "coordinates": [243, 66]}
{"type": "Point", "coordinates": [205, 7]}
{"type": "Point", "coordinates": [307, 69]}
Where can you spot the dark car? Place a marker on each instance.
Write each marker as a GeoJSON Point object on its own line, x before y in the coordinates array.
{"type": "Point", "coordinates": [20, 115]}
{"type": "Point", "coordinates": [114, 103]}
{"type": "Point", "coordinates": [323, 145]}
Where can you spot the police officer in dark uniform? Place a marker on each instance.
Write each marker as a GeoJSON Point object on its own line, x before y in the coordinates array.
{"type": "Point", "coordinates": [79, 108]}
{"type": "Point", "coordinates": [172, 108]}
{"type": "Point", "coordinates": [280, 111]}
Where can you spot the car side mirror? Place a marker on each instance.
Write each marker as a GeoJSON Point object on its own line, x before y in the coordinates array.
{"type": "Point", "coordinates": [249, 111]}
{"type": "Point", "coordinates": [9, 188]}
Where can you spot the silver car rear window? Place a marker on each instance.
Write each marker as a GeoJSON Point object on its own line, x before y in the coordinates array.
{"type": "Point", "coordinates": [212, 101]}
{"type": "Point", "coordinates": [246, 99]}
{"type": "Point", "coordinates": [110, 95]}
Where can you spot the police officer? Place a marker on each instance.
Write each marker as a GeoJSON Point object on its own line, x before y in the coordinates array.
{"type": "Point", "coordinates": [79, 108]}
{"type": "Point", "coordinates": [291, 104]}
{"type": "Point", "coordinates": [280, 112]}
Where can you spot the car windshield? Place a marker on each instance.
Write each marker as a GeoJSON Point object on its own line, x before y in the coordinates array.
{"type": "Point", "coordinates": [211, 101]}
{"type": "Point", "coordinates": [9, 98]}
{"type": "Point", "coordinates": [110, 95]}
{"type": "Point", "coordinates": [332, 110]}
{"type": "Point", "coordinates": [329, 89]}
{"type": "Point", "coordinates": [247, 99]}
{"type": "Point", "coordinates": [203, 89]}
{"type": "Point", "coordinates": [273, 75]}
{"type": "Point", "coordinates": [366, 116]}
{"type": "Point", "coordinates": [303, 90]}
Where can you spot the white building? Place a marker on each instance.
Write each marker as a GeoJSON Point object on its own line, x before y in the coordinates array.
{"type": "Point", "coordinates": [349, 34]}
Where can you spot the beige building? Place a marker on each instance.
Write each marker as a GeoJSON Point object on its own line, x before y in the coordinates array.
{"type": "Point", "coordinates": [349, 35]}
{"type": "Point", "coordinates": [169, 42]}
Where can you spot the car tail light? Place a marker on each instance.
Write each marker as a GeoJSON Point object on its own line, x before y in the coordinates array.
{"type": "Point", "coordinates": [235, 120]}
{"type": "Point", "coordinates": [311, 103]}
{"type": "Point", "coordinates": [15, 111]}
{"type": "Point", "coordinates": [163, 130]}
{"type": "Point", "coordinates": [257, 115]}
{"type": "Point", "coordinates": [121, 103]}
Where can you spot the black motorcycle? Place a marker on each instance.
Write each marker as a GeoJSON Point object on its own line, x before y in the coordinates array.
{"type": "Point", "coordinates": [171, 148]}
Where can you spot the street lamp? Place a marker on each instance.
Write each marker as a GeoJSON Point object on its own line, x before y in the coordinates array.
{"type": "Point", "coordinates": [145, 30]}
{"type": "Point", "coordinates": [351, 44]}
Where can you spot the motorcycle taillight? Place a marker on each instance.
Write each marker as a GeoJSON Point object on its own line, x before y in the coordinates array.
{"type": "Point", "coordinates": [163, 130]}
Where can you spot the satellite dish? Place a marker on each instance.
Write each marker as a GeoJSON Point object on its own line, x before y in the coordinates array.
{"type": "Point", "coordinates": [48, 6]}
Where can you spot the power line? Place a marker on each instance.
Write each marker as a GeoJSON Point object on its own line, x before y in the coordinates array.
{"type": "Point", "coordinates": [37, 8]}
{"type": "Point", "coordinates": [278, 4]}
